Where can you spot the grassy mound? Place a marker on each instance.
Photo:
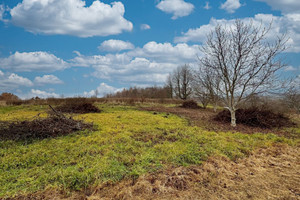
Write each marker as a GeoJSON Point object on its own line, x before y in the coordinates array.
{"type": "Point", "coordinates": [191, 104]}
{"type": "Point", "coordinates": [78, 107]}
{"type": "Point", "coordinates": [52, 126]}
{"type": "Point", "coordinates": [256, 117]}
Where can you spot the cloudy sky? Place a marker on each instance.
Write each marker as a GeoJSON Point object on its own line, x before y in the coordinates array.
{"type": "Point", "coordinates": [73, 47]}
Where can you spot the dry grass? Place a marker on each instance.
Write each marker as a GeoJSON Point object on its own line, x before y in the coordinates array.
{"type": "Point", "coordinates": [266, 174]}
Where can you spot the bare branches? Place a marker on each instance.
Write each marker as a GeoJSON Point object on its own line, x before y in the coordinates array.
{"type": "Point", "coordinates": [242, 60]}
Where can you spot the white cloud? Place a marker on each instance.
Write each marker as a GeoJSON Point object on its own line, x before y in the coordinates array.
{"type": "Point", "coordinates": [102, 90]}
{"type": "Point", "coordinates": [40, 94]}
{"type": "Point", "coordinates": [290, 68]}
{"type": "Point", "coordinates": [47, 79]}
{"type": "Point", "coordinates": [207, 6]}
{"type": "Point", "coordinates": [280, 24]}
{"type": "Point", "coordinates": [231, 5]}
{"type": "Point", "coordinates": [70, 17]}
{"type": "Point", "coordinates": [115, 45]}
{"type": "Point", "coordinates": [147, 65]}
{"type": "Point", "coordinates": [145, 27]}
{"type": "Point", "coordinates": [12, 81]}
{"type": "Point", "coordinates": [286, 6]}
{"type": "Point", "coordinates": [33, 61]}
{"type": "Point", "coordinates": [178, 8]}
{"type": "Point", "coordinates": [2, 10]}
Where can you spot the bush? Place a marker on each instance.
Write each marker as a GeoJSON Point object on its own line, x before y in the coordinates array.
{"type": "Point", "coordinates": [256, 117]}
{"type": "Point", "coordinates": [190, 104]}
{"type": "Point", "coordinates": [78, 107]}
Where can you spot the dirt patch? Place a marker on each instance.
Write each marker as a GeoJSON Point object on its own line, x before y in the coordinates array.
{"type": "Point", "coordinates": [78, 107]}
{"type": "Point", "coordinates": [39, 128]}
{"type": "Point", "coordinates": [256, 117]}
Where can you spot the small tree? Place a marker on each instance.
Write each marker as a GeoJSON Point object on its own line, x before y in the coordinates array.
{"type": "Point", "coordinates": [243, 60]}
{"type": "Point", "coordinates": [182, 82]}
{"type": "Point", "coordinates": [205, 87]}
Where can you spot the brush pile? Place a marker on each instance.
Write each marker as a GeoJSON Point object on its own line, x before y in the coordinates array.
{"type": "Point", "coordinates": [78, 107]}
{"type": "Point", "coordinates": [56, 124]}
{"type": "Point", "coordinates": [256, 117]}
{"type": "Point", "coordinates": [191, 104]}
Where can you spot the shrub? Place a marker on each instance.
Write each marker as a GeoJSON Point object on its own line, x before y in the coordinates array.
{"type": "Point", "coordinates": [256, 117]}
{"type": "Point", "coordinates": [190, 104]}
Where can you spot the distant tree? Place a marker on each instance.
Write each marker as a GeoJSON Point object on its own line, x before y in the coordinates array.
{"type": "Point", "coordinates": [244, 61]}
{"type": "Point", "coordinates": [169, 86]}
{"type": "Point", "coordinates": [181, 80]}
{"type": "Point", "coordinates": [8, 97]}
{"type": "Point", "coordinates": [292, 95]}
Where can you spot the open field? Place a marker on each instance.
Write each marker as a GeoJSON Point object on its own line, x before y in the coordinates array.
{"type": "Point", "coordinates": [150, 152]}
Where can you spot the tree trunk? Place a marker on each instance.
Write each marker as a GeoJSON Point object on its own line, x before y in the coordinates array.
{"type": "Point", "coordinates": [233, 119]}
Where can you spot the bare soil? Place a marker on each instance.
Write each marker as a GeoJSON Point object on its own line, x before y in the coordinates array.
{"type": "Point", "coordinates": [266, 174]}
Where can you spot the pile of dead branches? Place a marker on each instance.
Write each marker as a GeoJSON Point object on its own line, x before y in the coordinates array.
{"type": "Point", "coordinates": [191, 104]}
{"type": "Point", "coordinates": [56, 124]}
{"type": "Point", "coordinates": [256, 117]}
{"type": "Point", "coordinates": [78, 107]}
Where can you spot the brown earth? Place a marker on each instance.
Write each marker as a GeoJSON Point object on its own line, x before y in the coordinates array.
{"type": "Point", "coordinates": [204, 118]}
{"type": "Point", "coordinates": [272, 173]}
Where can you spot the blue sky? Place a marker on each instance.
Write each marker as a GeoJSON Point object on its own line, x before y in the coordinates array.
{"type": "Point", "coordinates": [73, 47]}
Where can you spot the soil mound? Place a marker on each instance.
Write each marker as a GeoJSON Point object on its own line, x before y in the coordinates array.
{"type": "Point", "coordinates": [256, 117]}
{"type": "Point", "coordinates": [40, 128]}
{"type": "Point", "coordinates": [78, 107]}
{"type": "Point", "coordinates": [191, 104]}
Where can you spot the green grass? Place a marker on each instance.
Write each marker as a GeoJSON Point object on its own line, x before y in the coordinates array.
{"type": "Point", "coordinates": [128, 143]}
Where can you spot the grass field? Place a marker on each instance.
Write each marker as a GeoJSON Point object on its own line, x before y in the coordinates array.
{"type": "Point", "coordinates": [127, 143]}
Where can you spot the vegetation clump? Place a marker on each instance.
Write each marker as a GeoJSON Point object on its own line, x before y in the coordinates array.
{"type": "Point", "coordinates": [53, 126]}
{"type": "Point", "coordinates": [191, 104]}
{"type": "Point", "coordinates": [256, 117]}
{"type": "Point", "coordinates": [80, 107]}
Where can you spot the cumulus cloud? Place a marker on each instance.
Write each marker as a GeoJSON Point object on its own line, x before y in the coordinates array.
{"type": "Point", "coordinates": [178, 8]}
{"type": "Point", "coordinates": [280, 25]}
{"type": "Point", "coordinates": [13, 81]}
{"type": "Point", "coordinates": [149, 64]}
{"type": "Point", "coordinates": [231, 5]}
{"type": "Point", "coordinates": [286, 6]}
{"type": "Point", "coordinates": [33, 61]}
{"type": "Point", "coordinates": [47, 79]}
{"type": "Point", "coordinates": [70, 17]}
{"type": "Point", "coordinates": [39, 93]}
{"type": "Point", "coordinates": [102, 90]}
{"type": "Point", "coordinates": [145, 27]}
{"type": "Point", "coordinates": [115, 45]}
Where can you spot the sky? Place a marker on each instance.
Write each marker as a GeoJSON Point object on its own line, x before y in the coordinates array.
{"type": "Point", "coordinates": [64, 48]}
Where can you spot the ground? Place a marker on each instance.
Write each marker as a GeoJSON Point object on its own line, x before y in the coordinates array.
{"type": "Point", "coordinates": [150, 152]}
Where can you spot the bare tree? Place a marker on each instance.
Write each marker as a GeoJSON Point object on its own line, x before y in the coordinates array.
{"type": "Point", "coordinates": [169, 86]}
{"type": "Point", "coordinates": [206, 87]}
{"type": "Point", "coordinates": [244, 61]}
{"type": "Point", "coordinates": [182, 82]}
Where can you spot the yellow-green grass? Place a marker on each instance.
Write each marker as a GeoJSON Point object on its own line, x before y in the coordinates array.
{"type": "Point", "coordinates": [126, 144]}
